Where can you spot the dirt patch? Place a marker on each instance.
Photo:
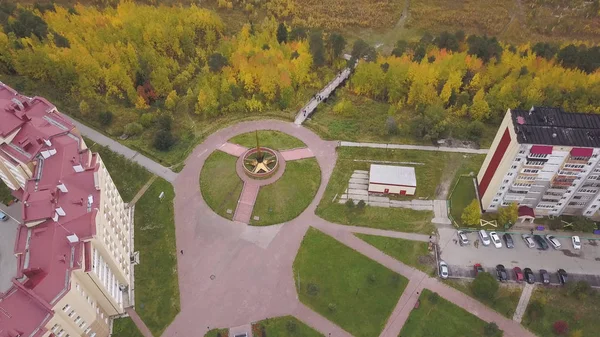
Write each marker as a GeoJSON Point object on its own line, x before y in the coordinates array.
{"type": "Point", "coordinates": [593, 243]}
{"type": "Point", "coordinates": [569, 253]}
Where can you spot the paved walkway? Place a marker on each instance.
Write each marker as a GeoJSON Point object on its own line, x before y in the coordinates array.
{"type": "Point", "coordinates": [233, 149]}
{"type": "Point", "coordinates": [138, 322]}
{"type": "Point", "coordinates": [523, 302]}
{"type": "Point", "coordinates": [440, 209]}
{"type": "Point", "coordinates": [245, 205]}
{"type": "Point", "coordinates": [415, 147]}
{"type": "Point", "coordinates": [296, 154]}
{"type": "Point", "coordinates": [233, 274]}
{"type": "Point", "coordinates": [143, 190]}
{"type": "Point", "coordinates": [322, 95]}
{"type": "Point", "coordinates": [130, 154]}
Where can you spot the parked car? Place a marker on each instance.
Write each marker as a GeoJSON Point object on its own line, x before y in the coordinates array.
{"type": "Point", "coordinates": [485, 238]}
{"type": "Point", "coordinates": [3, 216]}
{"type": "Point", "coordinates": [576, 242]}
{"type": "Point", "coordinates": [528, 240]}
{"type": "Point", "coordinates": [529, 277]}
{"type": "Point", "coordinates": [462, 238]}
{"type": "Point", "coordinates": [544, 276]}
{"type": "Point", "coordinates": [496, 239]}
{"type": "Point", "coordinates": [540, 242]}
{"type": "Point", "coordinates": [508, 240]}
{"type": "Point", "coordinates": [518, 274]}
{"type": "Point", "coordinates": [553, 241]}
{"type": "Point", "coordinates": [501, 272]}
{"type": "Point", "coordinates": [478, 269]}
{"type": "Point", "coordinates": [562, 276]}
{"type": "Point", "coordinates": [444, 270]}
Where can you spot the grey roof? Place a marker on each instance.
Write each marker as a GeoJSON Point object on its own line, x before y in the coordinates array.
{"type": "Point", "coordinates": [553, 126]}
{"type": "Point", "coordinates": [393, 175]}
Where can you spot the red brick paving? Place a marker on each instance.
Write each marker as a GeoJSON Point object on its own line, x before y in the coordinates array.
{"type": "Point", "coordinates": [243, 212]}
{"type": "Point", "coordinates": [226, 281]}
{"type": "Point", "coordinates": [233, 149]}
{"type": "Point", "coordinates": [138, 322]}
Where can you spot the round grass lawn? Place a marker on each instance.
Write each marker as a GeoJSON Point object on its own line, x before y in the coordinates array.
{"type": "Point", "coordinates": [268, 138]}
{"type": "Point", "coordinates": [286, 198]}
{"type": "Point", "coordinates": [220, 184]}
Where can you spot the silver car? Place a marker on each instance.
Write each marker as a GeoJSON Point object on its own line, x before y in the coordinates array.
{"type": "Point", "coordinates": [528, 240]}
{"type": "Point", "coordinates": [462, 238]}
{"type": "Point", "coordinates": [444, 270]}
{"type": "Point", "coordinates": [3, 217]}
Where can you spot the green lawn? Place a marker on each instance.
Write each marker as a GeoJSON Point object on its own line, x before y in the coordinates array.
{"type": "Point", "coordinates": [5, 196]}
{"type": "Point", "coordinates": [217, 333]}
{"type": "Point", "coordinates": [580, 314]}
{"type": "Point", "coordinates": [157, 289]}
{"type": "Point", "coordinates": [438, 317]}
{"type": "Point", "coordinates": [128, 176]}
{"type": "Point", "coordinates": [286, 198]}
{"type": "Point", "coordinates": [412, 253]}
{"type": "Point", "coordinates": [268, 138]}
{"type": "Point", "coordinates": [349, 289]}
{"type": "Point", "coordinates": [124, 327]}
{"type": "Point", "coordinates": [506, 299]}
{"type": "Point", "coordinates": [220, 184]}
{"type": "Point", "coordinates": [285, 326]}
{"type": "Point", "coordinates": [462, 195]}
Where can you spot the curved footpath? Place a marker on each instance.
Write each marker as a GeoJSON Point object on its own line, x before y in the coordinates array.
{"type": "Point", "coordinates": [233, 274]}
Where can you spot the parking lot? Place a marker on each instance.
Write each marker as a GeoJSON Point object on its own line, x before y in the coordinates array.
{"type": "Point", "coordinates": [581, 264]}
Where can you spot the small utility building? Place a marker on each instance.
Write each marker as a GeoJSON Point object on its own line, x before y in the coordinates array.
{"type": "Point", "coordinates": [399, 180]}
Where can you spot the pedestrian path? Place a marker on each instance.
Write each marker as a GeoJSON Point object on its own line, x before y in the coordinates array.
{"type": "Point", "coordinates": [318, 322]}
{"type": "Point", "coordinates": [406, 303]}
{"type": "Point", "coordinates": [523, 302]}
{"type": "Point", "coordinates": [243, 211]}
{"type": "Point", "coordinates": [322, 95]}
{"type": "Point", "coordinates": [233, 149]}
{"type": "Point", "coordinates": [138, 322]}
{"type": "Point", "coordinates": [415, 147]}
{"type": "Point", "coordinates": [440, 209]}
{"type": "Point", "coordinates": [296, 154]}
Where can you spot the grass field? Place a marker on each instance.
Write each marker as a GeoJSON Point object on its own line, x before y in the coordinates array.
{"type": "Point", "coordinates": [217, 333]}
{"type": "Point", "coordinates": [462, 195]}
{"type": "Point", "coordinates": [5, 196]}
{"type": "Point", "coordinates": [157, 288]}
{"type": "Point", "coordinates": [124, 327]}
{"type": "Point", "coordinates": [412, 253]}
{"type": "Point", "coordinates": [220, 184]}
{"type": "Point", "coordinates": [433, 180]}
{"type": "Point", "coordinates": [506, 299]}
{"type": "Point", "coordinates": [335, 14]}
{"type": "Point", "coordinates": [286, 198]}
{"type": "Point", "coordinates": [343, 285]}
{"type": "Point", "coordinates": [128, 176]}
{"type": "Point", "coordinates": [285, 326]}
{"type": "Point", "coordinates": [437, 317]}
{"type": "Point", "coordinates": [268, 138]}
{"type": "Point", "coordinates": [580, 314]}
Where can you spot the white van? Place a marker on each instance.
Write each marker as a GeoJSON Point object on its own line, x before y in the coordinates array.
{"type": "Point", "coordinates": [485, 238]}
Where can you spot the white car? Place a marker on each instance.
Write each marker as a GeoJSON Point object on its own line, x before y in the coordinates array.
{"type": "Point", "coordinates": [553, 241]}
{"type": "Point", "coordinates": [485, 238]}
{"type": "Point", "coordinates": [496, 239]}
{"type": "Point", "coordinates": [576, 242]}
{"type": "Point", "coordinates": [444, 270]}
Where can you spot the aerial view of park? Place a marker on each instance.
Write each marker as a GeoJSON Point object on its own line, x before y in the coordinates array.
{"type": "Point", "coordinates": [299, 168]}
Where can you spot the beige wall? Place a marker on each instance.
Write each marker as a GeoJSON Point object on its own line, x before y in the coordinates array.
{"type": "Point", "coordinates": [377, 188]}
{"type": "Point", "coordinates": [507, 160]}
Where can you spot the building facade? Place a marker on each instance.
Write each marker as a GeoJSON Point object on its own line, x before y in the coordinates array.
{"type": "Point", "coordinates": [73, 248]}
{"type": "Point", "coordinates": [544, 159]}
{"type": "Point", "coordinates": [388, 179]}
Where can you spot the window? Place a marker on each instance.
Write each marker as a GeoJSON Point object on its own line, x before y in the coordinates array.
{"type": "Point", "coordinates": [510, 174]}
{"type": "Point", "coordinates": [505, 181]}
{"type": "Point", "coordinates": [72, 313]}
{"type": "Point", "coordinates": [522, 151]}
{"type": "Point", "coordinates": [495, 200]}
{"type": "Point", "coordinates": [518, 159]}
{"type": "Point", "coordinates": [514, 167]}
{"type": "Point", "coordinates": [66, 308]}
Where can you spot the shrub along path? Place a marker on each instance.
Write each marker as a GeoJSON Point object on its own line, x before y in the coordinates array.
{"type": "Point", "coordinates": [232, 274]}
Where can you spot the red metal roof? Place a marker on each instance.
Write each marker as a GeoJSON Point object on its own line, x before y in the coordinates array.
{"type": "Point", "coordinates": [526, 211]}
{"type": "Point", "coordinates": [49, 141]}
{"type": "Point", "coordinates": [541, 149]}
{"type": "Point", "coordinates": [582, 152]}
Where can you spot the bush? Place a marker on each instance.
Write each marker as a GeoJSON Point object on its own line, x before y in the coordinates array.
{"type": "Point", "coordinates": [361, 205]}
{"type": "Point", "coordinates": [133, 129]}
{"type": "Point", "coordinates": [291, 326]}
{"type": "Point", "coordinates": [147, 120]}
{"type": "Point", "coordinates": [312, 289]}
{"type": "Point", "coordinates": [372, 279]}
{"type": "Point", "coordinates": [349, 204]}
{"type": "Point", "coordinates": [560, 327]}
{"type": "Point", "coordinates": [163, 140]}
{"type": "Point", "coordinates": [433, 297]}
{"type": "Point", "coordinates": [332, 307]}
{"type": "Point", "coordinates": [491, 330]}
{"type": "Point", "coordinates": [105, 118]}
{"type": "Point", "coordinates": [164, 122]}
{"type": "Point", "coordinates": [485, 286]}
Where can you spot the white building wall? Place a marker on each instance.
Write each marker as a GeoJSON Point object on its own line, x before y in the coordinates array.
{"type": "Point", "coordinates": [393, 189]}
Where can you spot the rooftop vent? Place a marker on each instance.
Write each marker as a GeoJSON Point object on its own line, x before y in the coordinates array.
{"type": "Point", "coordinates": [60, 211]}
{"type": "Point", "coordinates": [18, 104]}
{"type": "Point", "coordinates": [48, 142]}
{"type": "Point", "coordinates": [62, 188]}
{"type": "Point", "coordinates": [73, 238]}
{"type": "Point", "coordinates": [78, 168]}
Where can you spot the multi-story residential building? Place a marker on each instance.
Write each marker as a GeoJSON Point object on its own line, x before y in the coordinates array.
{"type": "Point", "coordinates": [546, 160]}
{"type": "Point", "coordinates": [73, 270]}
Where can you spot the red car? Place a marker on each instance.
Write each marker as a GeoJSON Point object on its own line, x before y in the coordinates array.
{"type": "Point", "coordinates": [478, 268]}
{"type": "Point", "coordinates": [518, 274]}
